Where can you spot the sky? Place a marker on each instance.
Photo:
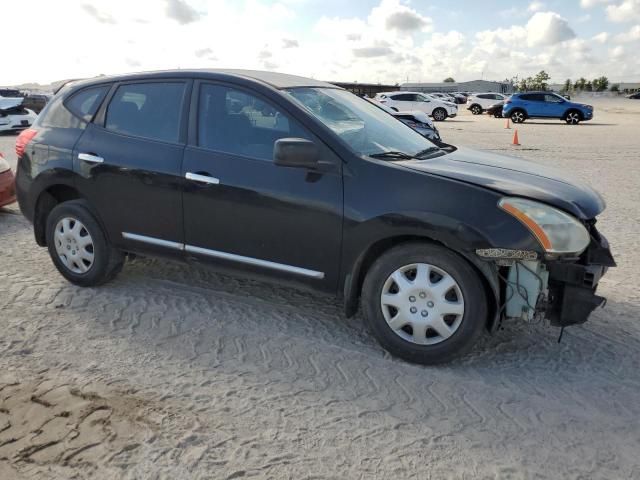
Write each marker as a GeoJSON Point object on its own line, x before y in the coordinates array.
{"type": "Point", "coordinates": [377, 41]}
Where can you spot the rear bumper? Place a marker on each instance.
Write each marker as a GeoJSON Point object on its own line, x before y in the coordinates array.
{"type": "Point", "coordinates": [7, 188]}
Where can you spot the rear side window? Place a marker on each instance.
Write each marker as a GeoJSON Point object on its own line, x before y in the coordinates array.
{"type": "Point", "coordinates": [149, 110]}
{"type": "Point", "coordinates": [404, 97]}
{"type": "Point", "coordinates": [57, 116]}
{"type": "Point", "coordinates": [85, 103]}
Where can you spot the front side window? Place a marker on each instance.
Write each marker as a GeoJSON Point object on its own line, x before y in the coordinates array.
{"type": "Point", "coordinates": [148, 110]}
{"type": "Point", "coordinates": [367, 129]}
{"type": "Point", "coordinates": [553, 98]}
{"type": "Point", "coordinates": [422, 98]}
{"type": "Point", "coordinates": [237, 122]}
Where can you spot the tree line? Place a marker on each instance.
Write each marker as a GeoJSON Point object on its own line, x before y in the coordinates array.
{"type": "Point", "coordinates": [541, 82]}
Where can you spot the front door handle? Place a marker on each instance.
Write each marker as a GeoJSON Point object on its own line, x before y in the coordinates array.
{"type": "Point", "coordinates": [198, 177]}
{"type": "Point", "coordinates": [90, 157]}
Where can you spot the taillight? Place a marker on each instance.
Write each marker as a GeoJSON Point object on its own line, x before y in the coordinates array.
{"type": "Point", "coordinates": [23, 140]}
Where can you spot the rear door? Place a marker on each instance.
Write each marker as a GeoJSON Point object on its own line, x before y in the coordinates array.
{"type": "Point", "coordinates": [129, 160]}
{"type": "Point", "coordinates": [403, 101]}
{"type": "Point", "coordinates": [244, 212]}
{"type": "Point", "coordinates": [534, 104]}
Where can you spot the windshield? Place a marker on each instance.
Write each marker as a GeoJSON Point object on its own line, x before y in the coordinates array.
{"type": "Point", "coordinates": [367, 129]}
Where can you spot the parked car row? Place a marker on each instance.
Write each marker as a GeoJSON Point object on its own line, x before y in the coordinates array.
{"type": "Point", "coordinates": [35, 102]}
{"type": "Point", "coordinates": [435, 107]}
{"type": "Point", "coordinates": [14, 116]}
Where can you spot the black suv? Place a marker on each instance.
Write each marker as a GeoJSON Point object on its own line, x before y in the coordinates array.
{"type": "Point", "coordinates": [301, 181]}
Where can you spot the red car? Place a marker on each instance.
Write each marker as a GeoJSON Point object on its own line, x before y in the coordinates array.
{"type": "Point", "coordinates": [7, 183]}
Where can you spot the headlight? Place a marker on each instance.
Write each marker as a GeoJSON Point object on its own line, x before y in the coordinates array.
{"type": "Point", "coordinates": [557, 232]}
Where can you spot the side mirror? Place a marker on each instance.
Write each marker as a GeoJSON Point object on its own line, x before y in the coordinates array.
{"type": "Point", "coordinates": [295, 152]}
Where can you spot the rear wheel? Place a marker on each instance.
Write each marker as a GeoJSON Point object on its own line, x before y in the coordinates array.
{"type": "Point", "coordinates": [573, 118]}
{"type": "Point", "coordinates": [518, 116]}
{"type": "Point", "coordinates": [440, 114]}
{"type": "Point", "coordinates": [424, 303]}
{"type": "Point", "coordinates": [78, 246]}
{"type": "Point", "coordinates": [476, 109]}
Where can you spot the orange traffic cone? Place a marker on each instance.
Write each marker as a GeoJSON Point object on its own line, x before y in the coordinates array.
{"type": "Point", "coordinates": [506, 125]}
{"type": "Point", "coordinates": [515, 138]}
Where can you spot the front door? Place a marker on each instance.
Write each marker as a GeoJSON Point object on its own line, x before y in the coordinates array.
{"type": "Point", "coordinates": [129, 160]}
{"type": "Point", "coordinates": [243, 211]}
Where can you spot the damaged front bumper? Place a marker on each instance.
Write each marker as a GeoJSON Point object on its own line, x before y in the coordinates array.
{"type": "Point", "coordinates": [561, 290]}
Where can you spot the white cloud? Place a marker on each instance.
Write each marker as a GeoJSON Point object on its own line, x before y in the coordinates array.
{"type": "Point", "coordinates": [393, 15]}
{"type": "Point", "coordinates": [536, 6]}
{"type": "Point", "coordinates": [601, 37]}
{"type": "Point", "coordinates": [632, 35]}
{"type": "Point", "coordinates": [627, 11]}
{"type": "Point", "coordinates": [593, 3]}
{"type": "Point", "coordinates": [548, 28]}
{"type": "Point", "coordinates": [617, 53]}
{"type": "Point", "coordinates": [371, 45]}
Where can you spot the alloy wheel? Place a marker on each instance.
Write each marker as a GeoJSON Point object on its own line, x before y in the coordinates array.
{"type": "Point", "coordinates": [422, 304]}
{"type": "Point", "coordinates": [439, 115]}
{"type": "Point", "coordinates": [74, 245]}
{"type": "Point", "coordinates": [517, 117]}
{"type": "Point", "coordinates": [573, 118]}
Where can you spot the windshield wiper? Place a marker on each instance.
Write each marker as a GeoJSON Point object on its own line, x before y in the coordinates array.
{"type": "Point", "coordinates": [392, 154]}
{"type": "Point", "coordinates": [422, 154]}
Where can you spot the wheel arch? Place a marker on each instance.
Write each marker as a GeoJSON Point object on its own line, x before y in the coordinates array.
{"type": "Point", "coordinates": [48, 198]}
{"type": "Point", "coordinates": [355, 278]}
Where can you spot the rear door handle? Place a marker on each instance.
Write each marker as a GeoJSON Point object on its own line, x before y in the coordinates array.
{"type": "Point", "coordinates": [90, 157]}
{"type": "Point", "coordinates": [197, 177]}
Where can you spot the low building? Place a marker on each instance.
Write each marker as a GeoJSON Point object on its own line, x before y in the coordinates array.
{"type": "Point", "coordinates": [627, 87]}
{"type": "Point", "coordinates": [472, 86]}
{"type": "Point", "coordinates": [368, 89]}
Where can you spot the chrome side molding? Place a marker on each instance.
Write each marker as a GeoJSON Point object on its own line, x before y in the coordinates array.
{"type": "Point", "coordinates": [153, 241]}
{"type": "Point", "coordinates": [256, 262]}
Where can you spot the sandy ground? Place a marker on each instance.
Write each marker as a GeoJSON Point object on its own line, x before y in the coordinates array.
{"type": "Point", "coordinates": [176, 372]}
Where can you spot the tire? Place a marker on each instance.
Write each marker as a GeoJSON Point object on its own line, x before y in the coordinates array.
{"type": "Point", "coordinates": [476, 109]}
{"type": "Point", "coordinates": [392, 326]}
{"type": "Point", "coordinates": [79, 247]}
{"type": "Point", "coordinates": [573, 117]}
{"type": "Point", "coordinates": [518, 116]}
{"type": "Point", "coordinates": [439, 114]}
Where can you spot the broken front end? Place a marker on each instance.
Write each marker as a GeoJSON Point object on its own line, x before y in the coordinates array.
{"type": "Point", "coordinates": [558, 285]}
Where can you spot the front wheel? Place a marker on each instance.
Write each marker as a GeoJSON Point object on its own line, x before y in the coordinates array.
{"type": "Point", "coordinates": [440, 114]}
{"type": "Point", "coordinates": [424, 303]}
{"type": "Point", "coordinates": [78, 246]}
{"type": "Point", "coordinates": [573, 118]}
{"type": "Point", "coordinates": [476, 109]}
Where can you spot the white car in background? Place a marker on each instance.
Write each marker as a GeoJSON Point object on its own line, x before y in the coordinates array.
{"type": "Point", "coordinates": [407, 101]}
{"type": "Point", "coordinates": [13, 116]}
{"type": "Point", "coordinates": [479, 102]}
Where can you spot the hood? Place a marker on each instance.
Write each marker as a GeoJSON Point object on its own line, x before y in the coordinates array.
{"type": "Point", "coordinates": [515, 177]}
{"type": "Point", "coordinates": [7, 102]}
{"type": "Point", "coordinates": [418, 115]}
